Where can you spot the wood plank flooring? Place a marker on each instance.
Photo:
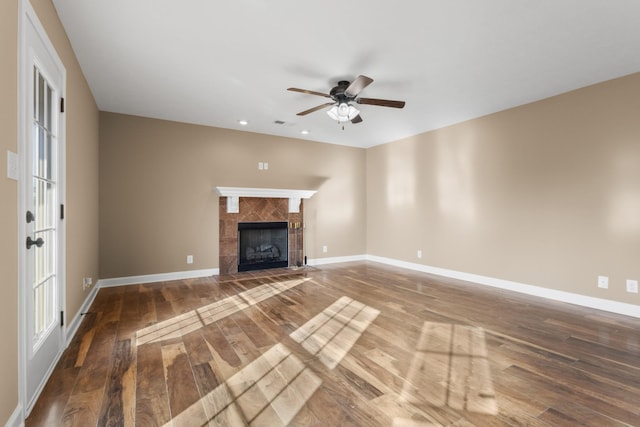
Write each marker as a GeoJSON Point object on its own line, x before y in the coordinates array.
{"type": "Point", "coordinates": [355, 344]}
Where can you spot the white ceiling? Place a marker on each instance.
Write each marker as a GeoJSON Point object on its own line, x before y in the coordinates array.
{"type": "Point", "coordinates": [216, 62]}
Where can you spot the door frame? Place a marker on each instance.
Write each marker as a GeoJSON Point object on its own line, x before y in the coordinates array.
{"type": "Point", "coordinates": [29, 19]}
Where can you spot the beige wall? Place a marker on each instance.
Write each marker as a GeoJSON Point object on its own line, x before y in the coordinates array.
{"type": "Point", "coordinates": [82, 175]}
{"type": "Point", "coordinates": [158, 203]}
{"type": "Point", "coordinates": [8, 212]}
{"type": "Point", "coordinates": [547, 194]}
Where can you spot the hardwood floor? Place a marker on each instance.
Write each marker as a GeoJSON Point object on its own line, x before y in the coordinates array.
{"type": "Point", "coordinates": [357, 344]}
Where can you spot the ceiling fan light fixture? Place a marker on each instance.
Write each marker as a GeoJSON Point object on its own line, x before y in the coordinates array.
{"type": "Point", "coordinates": [343, 112]}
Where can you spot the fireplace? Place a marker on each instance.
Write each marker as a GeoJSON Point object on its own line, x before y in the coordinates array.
{"type": "Point", "coordinates": [259, 206]}
{"type": "Point", "coordinates": [262, 245]}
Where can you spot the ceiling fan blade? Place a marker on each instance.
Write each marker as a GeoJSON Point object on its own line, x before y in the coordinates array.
{"type": "Point", "coordinates": [381, 102]}
{"type": "Point", "coordinates": [357, 85]}
{"type": "Point", "coordinates": [356, 119]}
{"type": "Point", "coordinates": [310, 92]}
{"type": "Point", "coordinates": [311, 110]}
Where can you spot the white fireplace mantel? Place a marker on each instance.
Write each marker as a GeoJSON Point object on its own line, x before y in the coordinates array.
{"type": "Point", "coordinates": [233, 195]}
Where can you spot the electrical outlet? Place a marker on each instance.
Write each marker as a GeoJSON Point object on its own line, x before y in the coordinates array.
{"type": "Point", "coordinates": [603, 282]}
{"type": "Point", "coordinates": [632, 286]}
{"type": "Point", "coordinates": [87, 283]}
{"type": "Point", "coordinates": [419, 253]}
{"type": "Point", "coordinates": [189, 259]}
{"type": "Point", "coordinates": [325, 249]}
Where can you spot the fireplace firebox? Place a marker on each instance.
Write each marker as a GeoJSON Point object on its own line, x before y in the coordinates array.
{"type": "Point", "coordinates": [262, 245]}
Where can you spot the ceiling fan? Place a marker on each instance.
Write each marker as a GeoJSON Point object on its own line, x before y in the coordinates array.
{"type": "Point", "coordinates": [343, 95]}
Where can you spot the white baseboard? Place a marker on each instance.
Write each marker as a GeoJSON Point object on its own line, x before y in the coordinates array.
{"type": "Point", "coordinates": [72, 327]}
{"type": "Point", "coordinates": [538, 291]}
{"type": "Point", "coordinates": [552, 294]}
{"type": "Point", "coordinates": [162, 277]}
{"type": "Point", "coordinates": [15, 420]}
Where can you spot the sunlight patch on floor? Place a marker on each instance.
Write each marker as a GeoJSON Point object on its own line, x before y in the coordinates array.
{"type": "Point", "coordinates": [271, 390]}
{"type": "Point", "coordinates": [330, 335]}
{"type": "Point", "coordinates": [407, 422]}
{"type": "Point", "coordinates": [195, 319]}
{"type": "Point", "coordinates": [450, 368]}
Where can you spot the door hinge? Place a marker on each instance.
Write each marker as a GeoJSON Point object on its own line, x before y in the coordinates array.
{"type": "Point", "coordinates": [62, 105]}
{"type": "Point", "coordinates": [62, 318]}
{"type": "Point", "coordinates": [61, 211]}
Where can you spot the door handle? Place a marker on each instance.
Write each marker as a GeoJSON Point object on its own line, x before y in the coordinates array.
{"type": "Point", "coordinates": [38, 242]}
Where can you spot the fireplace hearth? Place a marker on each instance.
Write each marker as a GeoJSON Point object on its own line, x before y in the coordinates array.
{"type": "Point", "coordinates": [262, 245]}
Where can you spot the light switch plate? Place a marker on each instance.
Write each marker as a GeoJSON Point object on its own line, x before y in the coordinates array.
{"type": "Point", "coordinates": [12, 165]}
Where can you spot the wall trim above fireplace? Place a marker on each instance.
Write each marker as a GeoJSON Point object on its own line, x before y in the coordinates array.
{"type": "Point", "coordinates": [233, 195]}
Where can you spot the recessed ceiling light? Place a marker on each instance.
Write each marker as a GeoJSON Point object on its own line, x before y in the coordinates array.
{"type": "Point", "coordinates": [304, 132]}
{"type": "Point", "coordinates": [243, 122]}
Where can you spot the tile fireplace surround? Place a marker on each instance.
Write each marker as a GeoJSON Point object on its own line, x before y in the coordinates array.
{"type": "Point", "coordinates": [258, 209]}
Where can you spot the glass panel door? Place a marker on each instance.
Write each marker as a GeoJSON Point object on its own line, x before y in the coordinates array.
{"type": "Point", "coordinates": [43, 218]}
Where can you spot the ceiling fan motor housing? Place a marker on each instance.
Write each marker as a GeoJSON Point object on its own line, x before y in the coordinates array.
{"type": "Point", "coordinates": [338, 93]}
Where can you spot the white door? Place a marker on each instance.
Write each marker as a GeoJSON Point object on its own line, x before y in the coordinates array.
{"type": "Point", "coordinates": [42, 255]}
